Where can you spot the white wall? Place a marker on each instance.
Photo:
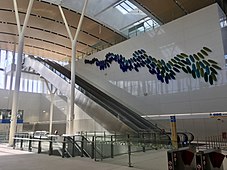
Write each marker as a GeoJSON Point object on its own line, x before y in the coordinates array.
{"type": "Point", "coordinates": [36, 108]}
{"type": "Point", "coordinates": [33, 105]}
{"type": "Point", "coordinates": [183, 95]}
{"type": "Point", "coordinates": [27, 102]}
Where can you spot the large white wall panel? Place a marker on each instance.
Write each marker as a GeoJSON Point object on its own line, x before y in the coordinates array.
{"type": "Point", "coordinates": [143, 92]}
{"type": "Point", "coordinates": [28, 102]}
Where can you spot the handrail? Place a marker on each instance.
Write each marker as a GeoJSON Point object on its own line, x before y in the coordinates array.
{"type": "Point", "coordinates": [81, 150]}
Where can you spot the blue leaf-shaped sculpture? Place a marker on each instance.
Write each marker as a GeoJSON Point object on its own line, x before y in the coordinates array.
{"type": "Point", "coordinates": [194, 64]}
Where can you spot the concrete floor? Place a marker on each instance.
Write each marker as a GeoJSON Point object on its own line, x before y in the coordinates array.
{"type": "Point", "coordinates": [22, 160]}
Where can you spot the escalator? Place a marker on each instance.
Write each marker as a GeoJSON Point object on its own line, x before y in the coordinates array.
{"type": "Point", "coordinates": [132, 122]}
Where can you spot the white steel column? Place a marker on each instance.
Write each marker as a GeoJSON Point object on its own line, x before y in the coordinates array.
{"type": "Point", "coordinates": [51, 112]}
{"type": "Point", "coordinates": [73, 64]}
{"type": "Point", "coordinates": [52, 96]}
{"type": "Point", "coordinates": [18, 68]}
{"type": "Point", "coordinates": [12, 68]}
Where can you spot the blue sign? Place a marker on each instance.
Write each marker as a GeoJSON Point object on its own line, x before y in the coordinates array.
{"type": "Point", "coordinates": [8, 121]}
{"type": "Point", "coordinates": [172, 118]}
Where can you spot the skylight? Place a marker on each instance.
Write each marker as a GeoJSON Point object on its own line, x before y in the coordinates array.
{"type": "Point", "coordinates": [126, 7]}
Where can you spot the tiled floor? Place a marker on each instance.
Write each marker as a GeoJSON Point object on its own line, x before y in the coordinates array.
{"type": "Point", "coordinates": [22, 160]}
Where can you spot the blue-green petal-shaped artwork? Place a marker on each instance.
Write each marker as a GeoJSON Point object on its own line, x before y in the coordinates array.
{"type": "Point", "coordinates": [213, 70]}
{"type": "Point", "coordinates": [185, 62]}
{"type": "Point", "coordinates": [189, 69]}
{"type": "Point", "coordinates": [200, 55]}
{"type": "Point", "coordinates": [193, 67]}
{"type": "Point", "coordinates": [201, 72]}
{"type": "Point", "coordinates": [192, 58]}
{"type": "Point", "coordinates": [206, 77]}
{"type": "Point", "coordinates": [172, 72]}
{"type": "Point", "coordinates": [176, 70]}
{"type": "Point", "coordinates": [207, 49]}
{"type": "Point", "coordinates": [158, 70]}
{"type": "Point", "coordinates": [188, 61]}
{"type": "Point", "coordinates": [207, 70]}
{"type": "Point", "coordinates": [211, 80]}
{"type": "Point", "coordinates": [214, 76]}
{"type": "Point", "coordinates": [154, 64]}
{"type": "Point", "coordinates": [197, 65]}
{"type": "Point", "coordinates": [170, 62]}
{"type": "Point", "coordinates": [202, 64]}
{"type": "Point", "coordinates": [176, 65]}
{"type": "Point", "coordinates": [184, 55]}
{"type": "Point", "coordinates": [174, 61]}
{"type": "Point", "coordinates": [184, 69]}
{"type": "Point", "coordinates": [172, 75]}
{"type": "Point", "coordinates": [166, 68]}
{"type": "Point", "coordinates": [180, 63]}
{"type": "Point", "coordinates": [163, 62]}
{"type": "Point", "coordinates": [137, 53]}
{"type": "Point", "coordinates": [197, 73]}
{"type": "Point", "coordinates": [163, 69]}
{"type": "Point", "coordinates": [159, 62]}
{"type": "Point", "coordinates": [140, 52]}
{"type": "Point", "coordinates": [212, 61]}
{"type": "Point", "coordinates": [151, 71]}
{"type": "Point", "coordinates": [162, 73]}
{"type": "Point", "coordinates": [169, 66]}
{"type": "Point", "coordinates": [159, 66]}
{"type": "Point", "coordinates": [196, 57]}
{"type": "Point", "coordinates": [176, 58]}
{"type": "Point", "coordinates": [193, 74]}
{"type": "Point", "coordinates": [143, 51]}
{"type": "Point", "coordinates": [180, 56]}
{"type": "Point", "coordinates": [166, 80]}
{"type": "Point", "coordinates": [206, 63]}
{"type": "Point", "coordinates": [154, 60]}
{"type": "Point", "coordinates": [194, 64]}
{"type": "Point", "coordinates": [204, 52]}
{"type": "Point", "coordinates": [215, 66]}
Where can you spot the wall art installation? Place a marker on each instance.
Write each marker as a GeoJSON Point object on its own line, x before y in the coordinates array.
{"type": "Point", "coordinates": [197, 65]}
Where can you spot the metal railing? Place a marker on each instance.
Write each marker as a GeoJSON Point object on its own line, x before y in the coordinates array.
{"type": "Point", "coordinates": [97, 147]}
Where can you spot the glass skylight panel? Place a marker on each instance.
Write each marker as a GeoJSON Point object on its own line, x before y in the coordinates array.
{"type": "Point", "coordinates": [121, 9]}
{"type": "Point", "coordinates": [146, 25]}
{"type": "Point", "coordinates": [131, 4]}
{"type": "Point", "coordinates": [126, 7]}
{"type": "Point", "coordinates": [150, 22]}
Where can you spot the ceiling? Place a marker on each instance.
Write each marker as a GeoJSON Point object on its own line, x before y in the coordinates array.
{"type": "Point", "coordinates": [46, 34]}
{"type": "Point", "coordinates": [169, 10]}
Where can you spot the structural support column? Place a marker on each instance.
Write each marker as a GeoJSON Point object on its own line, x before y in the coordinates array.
{"type": "Point", "coordinates": [73, 64]}
{"type": "Point", "coordinates": [52, 92]}
{"type": "Point", "coordinates": [12, 68]}
{"type": "Point", "coordinates": [51, 112]}
{"type": "Point", "coordinates": [18, 68]}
